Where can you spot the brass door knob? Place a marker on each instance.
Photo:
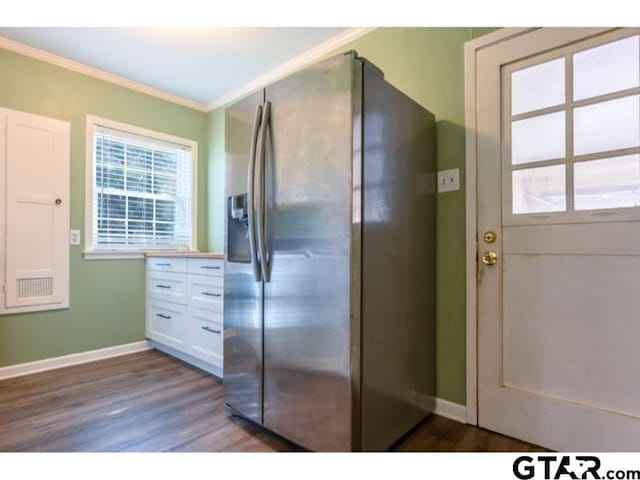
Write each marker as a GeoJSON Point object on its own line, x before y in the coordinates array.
{"type": "Point", "coordinates": [489, 237]}
{"type": "Point", "coordinates": [489, 258]}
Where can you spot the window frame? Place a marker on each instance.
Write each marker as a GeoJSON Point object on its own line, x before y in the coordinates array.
{"type": "Point", "coordinates": [92, 252]}
{"type": "Point", "coordinates": [569, 215]}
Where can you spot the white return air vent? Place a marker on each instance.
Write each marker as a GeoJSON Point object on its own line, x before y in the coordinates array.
{"type": "Point", "coordinates": [34, 287]}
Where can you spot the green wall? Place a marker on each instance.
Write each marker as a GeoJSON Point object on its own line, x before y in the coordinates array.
{"type": "Point", "coordinates": [106, 296]}
{"type": "Point", "coordinates": [428, 65]}
{"type": "Point", "coordinates": [215, 132]}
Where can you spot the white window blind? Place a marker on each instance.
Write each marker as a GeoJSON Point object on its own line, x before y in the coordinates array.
{"type": "Point", "coordinates": [142, 196]}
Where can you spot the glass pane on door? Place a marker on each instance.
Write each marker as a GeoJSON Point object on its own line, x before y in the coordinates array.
{"type": "Point", "coordinates": [608, 183]}
{"type": "Point", "coordinates": [607, 68]}
{"type": "Point", "coordinates": [537, 87]}
{"type": "Point", "coordinates": [539, 189]}
{"type": "Point", "coordinates": [605, 126]}
{"type": "Point", "coordinates": [538, 138]}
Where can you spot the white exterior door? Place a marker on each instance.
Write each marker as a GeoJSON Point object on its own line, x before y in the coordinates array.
{"type": "Point", "coordinates": [35, 214]}
{"type": "Point", "coordinates": [558, 179]}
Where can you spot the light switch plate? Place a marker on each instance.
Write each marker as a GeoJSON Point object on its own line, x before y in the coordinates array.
{"type": "Point", "coordinates": [449, 180]}
{"type": "Point", "coordinates": [74, 237]}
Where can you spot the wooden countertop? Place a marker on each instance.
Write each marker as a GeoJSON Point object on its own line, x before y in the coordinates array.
{"type": "Point", "coordinates": [219, 256]}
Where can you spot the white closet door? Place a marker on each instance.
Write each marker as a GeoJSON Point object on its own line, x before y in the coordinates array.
{"type": "Point", "coordinates": [36, 213]}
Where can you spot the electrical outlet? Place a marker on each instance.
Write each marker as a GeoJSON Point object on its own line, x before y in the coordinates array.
{"type": "Point", "coordinates": [74, 237]}
{"type": "Point", "coordinates": [448, 180]}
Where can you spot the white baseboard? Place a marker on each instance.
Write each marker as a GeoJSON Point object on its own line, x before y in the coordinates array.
{"type": "Point", "coordinates": [73, 359]}
{"type": "Point", "coordinates": [451, 410]}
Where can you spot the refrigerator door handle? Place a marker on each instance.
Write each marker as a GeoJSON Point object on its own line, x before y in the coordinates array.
{"type": "Point", "coordinates": [261, 214]}
{"type": "Point", "coordinates": [251, 227]}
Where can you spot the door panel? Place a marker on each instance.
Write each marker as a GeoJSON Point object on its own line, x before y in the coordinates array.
{"type": "Point", "coordinates": [307, 300]}
{"type": "Point", "coordinates": [566, 331]}
{"type": "Point", "coordinates": [242, 293]}
{"type": "Point", "coordinates": [557, 313]}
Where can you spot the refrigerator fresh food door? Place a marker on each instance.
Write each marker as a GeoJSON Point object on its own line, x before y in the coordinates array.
{"type": "Point", "coordinates": [308, 222]}
{"type": "Point", "coordinates": [242, 287]}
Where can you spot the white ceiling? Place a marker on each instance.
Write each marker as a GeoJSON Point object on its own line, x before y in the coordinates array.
{"type": "Point", "coordinates": [205, 65]}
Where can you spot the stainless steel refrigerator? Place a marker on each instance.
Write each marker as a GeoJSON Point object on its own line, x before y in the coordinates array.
{"type": "Point", "coordinates": [329, 280]}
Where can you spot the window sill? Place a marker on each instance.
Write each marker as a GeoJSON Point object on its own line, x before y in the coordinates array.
{"type": "Point", "coordinates": [120, 254]}
{"type": "Point", "coordinates": [107, 255]}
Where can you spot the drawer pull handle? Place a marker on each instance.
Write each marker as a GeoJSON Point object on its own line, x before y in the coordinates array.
{"type": "Point", "coordinates": [163, 264]}
{"type": "Point", "coordinates": [163, 286]}
{"type": "Point", "coordinates": [210, 267]}
{"type": "Point", "coordinates": [209, 294]}
{"type": "Point", "coordinates": [162, 315]}
{"type": "Point", "coordinates": [209, 329]}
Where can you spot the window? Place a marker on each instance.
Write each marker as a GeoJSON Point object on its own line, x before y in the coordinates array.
{"type": "Point", "coordinates": [141, 192]}
{"type": "Point", "coordinates": [572, 131]}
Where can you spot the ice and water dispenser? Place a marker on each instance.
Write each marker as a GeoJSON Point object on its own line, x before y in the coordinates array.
{"type": "Point", "coordinates": [237, 229]}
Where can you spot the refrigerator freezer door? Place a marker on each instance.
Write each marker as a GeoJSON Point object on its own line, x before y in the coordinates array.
{"type": "Point", "coordinates": [307, 390]}
{"type": "Point", "coordinates": [242, 293]}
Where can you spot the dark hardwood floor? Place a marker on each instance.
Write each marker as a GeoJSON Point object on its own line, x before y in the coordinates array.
{"type": "Point", "coordinates": [150, 401]}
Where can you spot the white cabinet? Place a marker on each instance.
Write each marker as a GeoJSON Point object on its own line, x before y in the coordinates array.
{"type": "Point", "coordinates": [34, 212]}
{"type": "Point", "coordinates": [184, 302]}
{"type": "Point", "coordinates": [167, 323]}
{"type": "Point", "coordinates": [205, 292]}
{"type": "Point", "coordinates": [205, 336]}
{"type": "Point", "coordinates": [167, 286]}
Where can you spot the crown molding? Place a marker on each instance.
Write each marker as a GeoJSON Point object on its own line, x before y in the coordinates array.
{"type": "Point", "coordinates": [289, 66]}
{"type": "Point", "coordinates": [260, 81]}
{"type": "Point", "coordinates": [63, 62]}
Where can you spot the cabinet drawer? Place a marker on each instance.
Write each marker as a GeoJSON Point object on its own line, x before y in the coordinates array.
{"type": "Point", "coordinates": [205, 334]}
{"type": "Point", "coordinates": [167, 323]}
{"type": "Point", "coordinates": [205, 266]}
{"type": "Point", "coordinates": [205, 292]}
{"type": "Point", "coordinates": [167, 264]}
{"type": "Point", "coordinates": [167, 286]}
